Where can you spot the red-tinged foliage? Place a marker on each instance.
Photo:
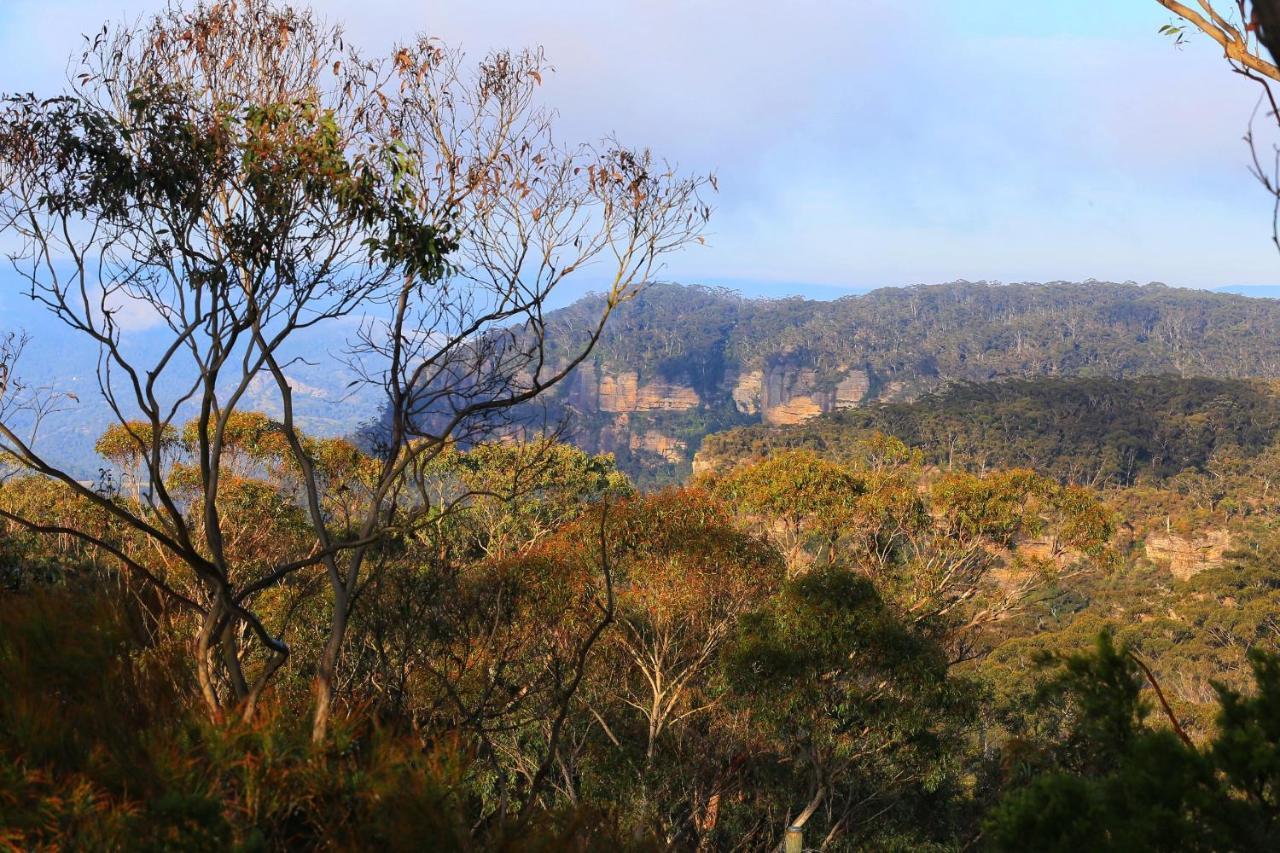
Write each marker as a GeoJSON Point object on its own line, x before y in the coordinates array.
{"type": "Point", "coordinates": [103, 749]}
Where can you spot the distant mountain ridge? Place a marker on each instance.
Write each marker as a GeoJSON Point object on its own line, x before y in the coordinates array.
{"type": "Point", "coordinates": [326, 402]}
{"type": "Point", "coordinates": [681, 362]}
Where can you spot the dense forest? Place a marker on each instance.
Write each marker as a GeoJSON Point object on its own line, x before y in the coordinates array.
{"type": "Point", "coordinates": [1091, 431]}
{"type": "Point", "coordinates": [973, 331]}
{"type": "Point", "coordinates": [972, 566]}
{"type": "Point", "coordinates": [712, 360]}
{"type": "Point", "coordinates": [706, 360]}
{"type": "Point", "coordinates": [896, 655]}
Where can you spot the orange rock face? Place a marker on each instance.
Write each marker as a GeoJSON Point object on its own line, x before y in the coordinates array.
{"type": "Point", "coordinates": [665, 396]}
{"type": "Point", "coordinates": [789, 395]}
{"type": "Point", "coordinates": [780, 395]}
{"type": "Point", "coordinates": [623, 393]}
{"type": "Point", "coordinates": [617, 393]}
{"type": "Point", "coordinates": [656, 442]}
{"type": "Point", "coordinates": [746, 392]}
{"type": "Point", "coordinates": [852, 390]}
{"type": "Point", "coordinates": [1188, 557]}
{"type": "Point", "coordinates": [793, 411]}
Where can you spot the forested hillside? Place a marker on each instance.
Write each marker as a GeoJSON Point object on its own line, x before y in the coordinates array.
{"type": "Point", "coordinates": [1092, 431]}
{"type": "Point", "coordinates": [680, 362]}
{"type": "Point", "coordinates": [913, 651]}
{"type": "Point", "coordinates": [962, 567]}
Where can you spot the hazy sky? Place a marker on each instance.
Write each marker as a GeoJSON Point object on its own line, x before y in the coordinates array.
{"type": "Point", "coordinates": [869, 142]}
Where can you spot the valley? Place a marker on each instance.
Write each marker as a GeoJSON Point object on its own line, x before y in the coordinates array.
{"type": "Point", "coordinates": [681, 363]}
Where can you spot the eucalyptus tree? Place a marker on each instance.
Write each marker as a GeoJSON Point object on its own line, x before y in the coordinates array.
{"type": "Point", "coordinates": [1242, 28]}
{"type": "Point", "coordinates": [240, 175]}
{"type": "Point", "coordinates": [1248, 32]}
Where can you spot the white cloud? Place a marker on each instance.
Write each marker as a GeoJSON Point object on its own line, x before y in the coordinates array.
{"type": "Point", "coordinates": [871, 141]}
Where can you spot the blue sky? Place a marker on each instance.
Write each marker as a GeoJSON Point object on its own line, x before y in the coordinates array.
{"type": "Point", "coordinates": [866, 142]}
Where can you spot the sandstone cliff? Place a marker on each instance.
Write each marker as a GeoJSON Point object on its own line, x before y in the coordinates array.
{"type": "Point", "coordinates": [678, 363]}
{"type": "Point", "coordinates": [634, 416]}
{"type": "Point", "coordinates": [1187, 557]}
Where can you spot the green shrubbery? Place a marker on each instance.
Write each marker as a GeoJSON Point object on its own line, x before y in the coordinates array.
{"type": "Point", "coordinates": [104, 748]}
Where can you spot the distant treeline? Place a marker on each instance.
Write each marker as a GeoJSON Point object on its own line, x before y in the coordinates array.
{"type": "Point", "coordinates": [907, 341]}
{"type": "Point", "coordinates": [1085, 430]}
{"type": "Point", "coordinates": [944, 332]}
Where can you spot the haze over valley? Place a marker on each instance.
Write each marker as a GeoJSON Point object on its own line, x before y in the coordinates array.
{"type": "Point", "coordinates": [690, 427]}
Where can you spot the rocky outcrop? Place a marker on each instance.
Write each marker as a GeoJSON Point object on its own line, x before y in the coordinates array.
{"type": "Point", "coordinates": [623, 392]}
{"type": "Point", "coordinates": [787, 394]}
{"type": "Point", "coordinates": [1187, 557]}
{"type": "Point", "coordinates": [781, 394]}
{"type": "Point", "coordinates": [623, 434]}
{"type": "Point", "coordinates": [790, 395]}
{"type": "Point", "coordinates": [796, 409]}
{"type": "Point", "coordinates": [671, 449]}
{"type": "Point", "coordinates": [745, 390]}
{"type": "Point", "coordinates": [617, 393]}
{"type": "Point", "coordinates": [665, 396]}
{"type": "Point", "coordinates": [852, 390]}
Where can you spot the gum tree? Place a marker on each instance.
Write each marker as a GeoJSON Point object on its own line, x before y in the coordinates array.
{"type": "Point", "coordinates": [242, 176]}
{"type": "Point", "coordinates": [1248, 32]}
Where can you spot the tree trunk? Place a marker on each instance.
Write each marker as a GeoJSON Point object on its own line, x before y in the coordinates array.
{"type": "Point", "coordinates": [231, 660]}
{"type": "Point", "coordinates": [204, 662]}
{"type": "Point", "coordinates": [323, 685]}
